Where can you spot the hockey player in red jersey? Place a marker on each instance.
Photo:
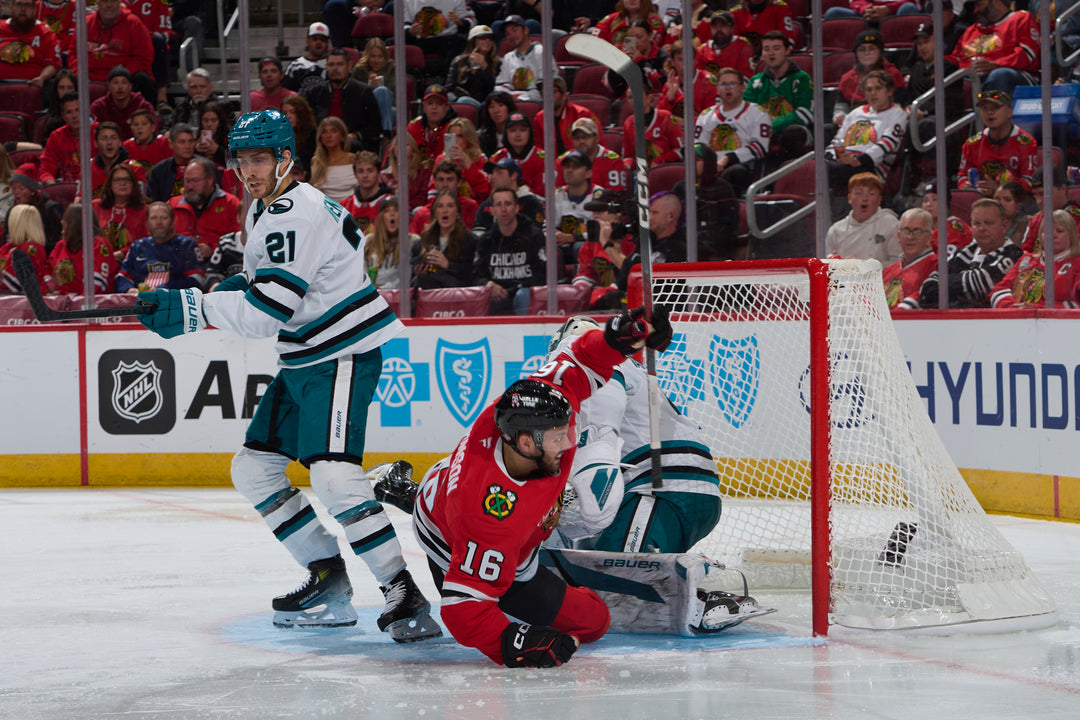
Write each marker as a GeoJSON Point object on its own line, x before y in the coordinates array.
{"type": "Point", "coordinates": [481, 513]}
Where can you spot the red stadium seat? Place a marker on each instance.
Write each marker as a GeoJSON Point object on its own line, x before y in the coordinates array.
{"type": "Point", "coordinates": [62, 192]}
{"type": "Point", "coordinates": [25, 156]}
{"type": "Point", "coordinates": [38, 134]}
{"type": "Point", "coordinates": [565, 59]}
{"type": "Point", "coordinates": [373, 24]}
{"type": "Point", "coordinates": [663, 177]}
{"type": "Point", "coordinates": [898, 30]}
{"type": "Point", "coordinates": [589, 79]}
{"type": "Point", "coordinates": [97, 89]}
{"type": "Point", "coordinates": [453, 302]}
{"type": "Point", "coordinates": [414, 58]}
{"type": "Point", "coordinates": [613, 139]}
{"type": "Point", "coordinates": [571, 299]}
{"type": "Point", "coordinates": [12, 127]}
{"type": "Point", "coordinates": [22, 99]}
{"type": "Point", "coordinates": [960, 203]}
{"type": "Point", "coordinates": [529, 108]}
{"type": "Point", "coordinates": [599, 105]}
{"type": "Point", "coordinates": [465, 110]}
{"type": "Point", "coordinates": [839, 33]}
{"type": "Point", "coordinates": [834, 65]}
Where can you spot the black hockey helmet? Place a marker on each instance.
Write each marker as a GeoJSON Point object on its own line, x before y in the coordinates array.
{"type": "Point", "coordinates": [533, 407]}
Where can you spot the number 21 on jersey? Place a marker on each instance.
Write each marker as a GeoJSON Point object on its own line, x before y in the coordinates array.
{"type": "Point", "coordinates": [281, 248]}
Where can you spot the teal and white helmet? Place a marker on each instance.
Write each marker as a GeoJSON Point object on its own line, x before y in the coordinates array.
{"type": "Point", "coordinates": [263, 129]}
{"type": "Point", "coordinates": [577, 325]}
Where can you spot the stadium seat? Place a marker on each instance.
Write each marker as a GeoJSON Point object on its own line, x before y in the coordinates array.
{"type": "Point", "coordinates": [834, 65]}
{"type": "Point", "coordinates": [571, 299]}
{"type": "Point", "coordinates": [805, 61]}
{"type": "Point", "coordinates": [22, 99]}
{"type": "Point", "coordinates": [97, 89]}
{"type": "Point", "coordinates": [415, 62]}
{"type": "Point", "coordinates": [529, 108]}
{"type": "Point", "coordinates": [25, 156]}
{"type": "Point", "coordinates": [960, 203]}
{"type": "Point", "coordinates": [599, 105]}
{"type": "Point", "coordinates": [663, 177]}
{"type": "Point", "coordinates": [613, 139]}
{"type": "Point", "coordinates": [839, 33]}
{"type": "Point", "coordinates": [589, 80]}
{"type": "Point", "coordinates": [565, 59]}
{"type": "Point", "coordinates": [465, 110]}
{"type": "Point", "coordinates": [898, 30]}
{"type": "Point", "coordinates": [12, 127]}
{"type": "Point", "coordinates": [38, 133]}
{"type": "Point", "coordinates": [372, 24]}
{"type": "Point", "coordinates": [453, 302]}
{"type": "Point", "coordinates": [62, 192]}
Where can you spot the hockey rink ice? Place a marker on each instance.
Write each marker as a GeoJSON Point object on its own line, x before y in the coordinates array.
{"type": "Point", "coordinates": [155, 603]}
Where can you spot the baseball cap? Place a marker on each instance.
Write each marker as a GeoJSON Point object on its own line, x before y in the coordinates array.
{"type": "Point", "coordinates": [924, 30]}
{"type": "Point", "coordinates": [559, 82]}
{"type": "Point", "coordinates": [506, 163]}
{"type": "Point", "coordinates": [480, 31]}
{"type": "Point", "coordinates": [518, 118]}
{"type": "Point", "coordinates": [436, 91]}
{"type": "Point", "coordinates": [514, 20]}
{"type": "Point", "coordinates": [723, 16]}
{"type": "Point", "coordinates": [318, 28]}
{"type": "Point", "coordinates": [995, 97]}
{"type": "Point", "coordinates": [577, 157]}
{"type": "Point", "coordinates": [585, 125]}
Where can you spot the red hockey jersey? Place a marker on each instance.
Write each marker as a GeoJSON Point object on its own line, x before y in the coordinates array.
{"type": "Point", "coordinates": [1015, 159]}
{"type": "Point", "coordinates": [65, 269]}
{"type": "Point", "coordinates": [1011, 42]}
{"type": "Point", "coordinates": [121, 226]}
{"type": "Point", "coordinates": [663, 140]}
{"type": "Point", "coordinates": [902, 282]}
{"type": "Point", "coordinates": [23, 56]}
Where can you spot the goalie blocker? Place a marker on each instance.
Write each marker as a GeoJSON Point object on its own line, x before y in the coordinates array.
{"type": "Point", "coordinates": [656, 592]}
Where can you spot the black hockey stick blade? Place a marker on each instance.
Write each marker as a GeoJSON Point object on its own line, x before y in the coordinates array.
{"type": "Point", "coordinates": [24, 270]}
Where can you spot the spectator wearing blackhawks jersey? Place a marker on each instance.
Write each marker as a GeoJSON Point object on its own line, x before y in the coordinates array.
{"type": "Point", "coordinates": [145, 148]}
{"type": "Point", "coordinates": [429, 129]}
{"type": "Point", "coordinates": [1001, 152]}
{"type": "Point", "coordinates": [1059, 200]}
{"type": "Point", "coordinates": [1002, 46]}
{"type": "Point", "coordinates": [957, 232]}
{"type": "Point", "coordinates": [566, 114]}
{"type": "Point", "coordinates": [975, 270]}
{"type": "Point", "coordinates": [110, 153]}
{"type": "Point", "coordinates": [114, 36]}
{"type": "Point", "coordinates": [518, 145]}
{"type": "Point", "coordinates": [594, 267]}
{"type": "Point", "coordinates": [905, 277]}
{"type": "Point", "coordinates": [649, 59]}
{"type": "Point", "coordinates": [726, 49]}
{"type": "Point", "coordinates": [615, 26]}
{"type": "Point", "coordinates": [58, 16]}
{"type": "Point", "coordinates": [663, 135]}
{"type": "Point", "coordinates": [60, 157]}
{"type": "Point", "coordinates": [363, 204]}
{"type": "Point", "coordinates": [29, 50]}
{"type": "Point", "coordinates": [311, 66]}
{"type": "Point", "coordinates": [227, 260]}
{"type": "Point", "coordinates": [786, 93]}
{"type": "Point", "coordinates": [672, 98]}
{"type": "Point", "coordinates": [608, 171]}
{"type": "Point", "coordinates": [570, 200]}
{"type": "Point", "coordinates": [1024, 285]}
{"type": "Point", "coordinates": [121, 210]}
{"type": "Point", "coordinates": [162, 260]}
{"type": "Point", "coordinates": [65, 266]}
{"type": "Point", "coordinates": [871, 135]}
{"type": "Point", "coordinates": [522, 67]}
{"type": "Point", "coordinates": [754, 19]}
{"type": "Point", "coordinates": [156, 17]}
{"type": "Point", "coordinates": [736, 130]}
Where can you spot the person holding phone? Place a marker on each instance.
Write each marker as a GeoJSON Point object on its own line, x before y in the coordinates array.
{"type": "Point", "coordinates": [461, 145]}
{"type": "Point", "coordinates": [214, 128]}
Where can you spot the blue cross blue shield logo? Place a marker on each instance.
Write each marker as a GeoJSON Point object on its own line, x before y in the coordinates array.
{"type": "Point", "coordinates": [736, 372]}
{"type": "Point", "coordinates": [463, 371]}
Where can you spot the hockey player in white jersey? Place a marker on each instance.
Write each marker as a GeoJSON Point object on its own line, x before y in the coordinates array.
{"type": "Point", "coordinates": [304, 281]}
{"type": "Point", "coordinates": [610, 502]}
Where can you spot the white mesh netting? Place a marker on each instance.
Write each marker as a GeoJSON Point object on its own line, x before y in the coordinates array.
{"type": "Point", "coordinates": [911, 547]}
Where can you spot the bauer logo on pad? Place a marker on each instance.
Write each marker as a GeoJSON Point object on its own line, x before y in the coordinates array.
{"type": "Point", "coordinates": [137, 392]}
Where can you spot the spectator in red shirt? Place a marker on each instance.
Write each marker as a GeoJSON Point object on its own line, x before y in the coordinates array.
{"type": "Point", "coordinates": [28, 48]}
{"type": "Point", "coordinates": [1002, 46]}
{"type": "Point", "coordinates": [672, 97]}
{"type": "Point", "coordinates": [726, 48]}
{"type": "Point", "coordinates": [1001, 152]}
{"type": "Point", "coordinates": [58, 16]}
{"type": "Point", "coordinates": [110, 153]}
{"type": "Point", "coordinates": [754, 19]}
{"type": "Point", "coordinates": [119, 104]}
{"type": "Point", "coordinates": [60, 158]}
{"type": "Point", "coordinates": [272, 92]}
{"type": "Point", "coordinates": [65, 266]}
{"type": "Point", "coordinates": [428, 129]}
{"type": "Point", "coordinates": [447, 178]}
{"type": "Point", "coordinates": [204, 212]}
{"type": "Point", "coordinates": [121, 210]}
{"type": "Point", "coordinates": [365, 202]}
{"type": "Point", "coordinates": [115, 36]}
{"type": "Point", "coordinates": [156, 17]}
{"type": "Point", "coordinates": [566, 114]}
{"type": "Point", "coordinates": [144, 148]}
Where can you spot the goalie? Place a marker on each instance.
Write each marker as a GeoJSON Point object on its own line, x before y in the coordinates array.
{"type": "Point", "coordinates": [610, 503]}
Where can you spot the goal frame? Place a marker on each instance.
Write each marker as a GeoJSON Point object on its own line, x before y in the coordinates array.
{"type": "Point", "coordinates": [817, 272]}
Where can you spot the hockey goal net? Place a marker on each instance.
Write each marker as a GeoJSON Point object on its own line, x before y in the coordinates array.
{"type": "Point", "coordinates": [833, 476]}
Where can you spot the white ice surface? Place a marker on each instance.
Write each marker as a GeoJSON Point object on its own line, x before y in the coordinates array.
{"type": "Point", "coordinates": [156, 604]}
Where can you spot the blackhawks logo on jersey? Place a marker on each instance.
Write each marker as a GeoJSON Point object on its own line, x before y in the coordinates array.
{"type": "Point", "coordinates": [861, 132]}
{"type": "Point", "coordinates": [364, 223]}
{"type": "Point", "coordinates": [499, 503]}
{"type": "Point", "coordinates": [776, 106]}
{"type": "Point", "coordinates": [16, 52]}
{"type": "Point", "coordinates": [995, 170]}
{"type": "Point", "coordinates": [723, 138]}
{"type": "Point", "coordinates": [1028, 285]}
{"type": "Point", "coordinates": [431, 22]}
{"type": "Point", "coordinates": [572, 224]}
{"type": "Point", "coordinates": [522, 79]}
{"type": "Point", "coordinates": [982, 45]}
{"type": "Point", "coordinates": [64, 272]}
{"type": "Point", "coordinates": [894, 289]}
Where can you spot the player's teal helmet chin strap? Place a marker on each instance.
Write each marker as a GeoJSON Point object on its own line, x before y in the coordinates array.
{"type": "Point", "coordinates": [268, 129]}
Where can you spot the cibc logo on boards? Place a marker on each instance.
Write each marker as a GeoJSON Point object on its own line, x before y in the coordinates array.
{"type": "Point", "coordinates": [137, 392]}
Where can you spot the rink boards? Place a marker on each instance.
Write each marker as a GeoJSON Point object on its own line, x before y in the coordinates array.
{"type": "Point", "coordinates": [116, 405]}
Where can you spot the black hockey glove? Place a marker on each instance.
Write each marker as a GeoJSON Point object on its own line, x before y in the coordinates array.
{"type": "Point", "coordinates": [536, 646]}
{"type": "Point", "coordinates": [627, 331]}
{"type": "Point", "coordinates": [660, 337]}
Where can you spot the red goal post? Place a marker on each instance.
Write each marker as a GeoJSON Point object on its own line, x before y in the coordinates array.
{"type": "Point", "coordinates": [832, 476]}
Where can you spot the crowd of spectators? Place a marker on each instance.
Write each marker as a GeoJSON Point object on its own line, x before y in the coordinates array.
{"type": "Point", "coordinates": [475, 209]}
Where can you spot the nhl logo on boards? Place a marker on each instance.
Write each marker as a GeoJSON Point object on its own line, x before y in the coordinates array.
{"type": "Point", "coordinates": [136, 392]}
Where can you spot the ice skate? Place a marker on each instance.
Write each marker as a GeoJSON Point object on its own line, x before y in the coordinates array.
{"type": "Point", "coordinates": [394, 485]}
{"type": "Point", "coordinates": [723, 610]}
{"type": "Point", "coordinates": [322, 601]}
{"type": "Point", "coordinates": [407, 613]}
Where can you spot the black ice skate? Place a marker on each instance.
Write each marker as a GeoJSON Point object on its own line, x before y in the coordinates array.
{"type": "Point", "coordinates": [723, 610]}
{"type": "Point", "coordinates": [407, 613]}
{"type": "Point", "coordinates": [394, 485]}
{"type": "Point", "coordinates": [322, 601]}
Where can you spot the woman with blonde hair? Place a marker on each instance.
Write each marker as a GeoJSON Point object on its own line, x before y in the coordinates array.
{"type": "Point", "coordinates": [419, 176]}
{"type": "Point", "coordinates": [65, 267]}
{"type": "Point", "coordinates": [443, 255]}
{"type": "Point", "coordinates": [26, 232]}
{"type": "Point", "coordinates": [1023, 285]}
{"type": "Point", "coordinates": [377, 70]}
{"type": "Point", "coordinates": [331, 168]}
{"type": "Point", "coordinates": [465, 152]}
{"type": "Point", "coordinates": [381, 250]}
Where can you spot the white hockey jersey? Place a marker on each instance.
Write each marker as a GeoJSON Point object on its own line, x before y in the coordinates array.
{"type": "Point", "coordinates": [570, 215]}
{"type": "Point", "coordinates": [307, 282]}
{"type": "Point", "coordinates": [744, 131]}
{"type": "Point", "coordinates": [520, 71]}
{"type": "Point", "coordinates": [879, 135]}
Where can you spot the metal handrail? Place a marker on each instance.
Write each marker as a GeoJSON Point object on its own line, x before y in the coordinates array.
{"type": "Point", "coordinates": [759, 185]}
{"type": "Point", "coordinates": [913, 113]}
{"type": "Point", "coordinates": [1059, 49]}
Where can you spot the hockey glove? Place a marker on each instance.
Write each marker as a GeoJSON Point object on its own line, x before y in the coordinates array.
{"type": "Point", "coordinates": [660, 337]}
{"type": "Point", "coordinates": [536, 646]}
{"type": "Point", "coordinates": [178, 311]}
{"type": "Point", "coordinates": [627, 331]}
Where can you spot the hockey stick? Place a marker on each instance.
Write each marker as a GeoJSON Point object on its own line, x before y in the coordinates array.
{"type": "Point", "coordinates": [601, 51]}
{"type": "Point", "coordinates": [24, 270]}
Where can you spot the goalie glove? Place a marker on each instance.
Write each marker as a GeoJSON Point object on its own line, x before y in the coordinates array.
{"type": "Point", "coordinates": [537, 646]}
{"type": "Point", "coordinates": [178, 311]}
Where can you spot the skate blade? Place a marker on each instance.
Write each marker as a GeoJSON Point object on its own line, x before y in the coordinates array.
{"type": "Point", "coordinates": [724, 622]}
{"type": "Point", "coordinates": [330, 616]}
{"type": "Point", "coordinates": [421, 627]}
